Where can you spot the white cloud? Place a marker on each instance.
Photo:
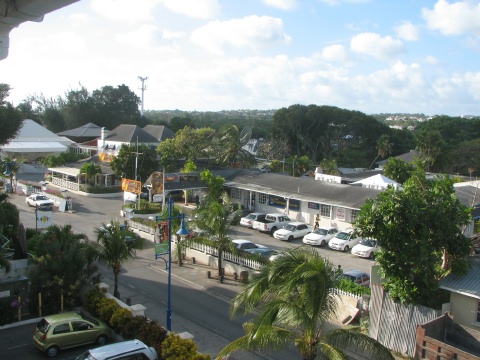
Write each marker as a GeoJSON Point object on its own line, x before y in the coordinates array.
{"type": "Point", "coordinates": [144, 36]}
{"type": "Point", "coordinates": [371, 44]}
{"type": "Point", "coordinates": [170, 35]}
{"type": "Point", "coordinates": [454, 19]}
{"type": "Point", "coordinates": [282, 4]}
{"type": "Point", "coordinates": [196, 9]}
{"type": "Point", "coordinates": [125, 10]}
{"type": "Point", "coordinates": [407, 31]}
{"type": "Point", "coordinates": [80, 19]}
{"type": "Point", "coordinates": [432, 60]}
{"type": "Point", "coordinates": [252, 31]}
{"type": "Point", "coordinates": [334, 53]}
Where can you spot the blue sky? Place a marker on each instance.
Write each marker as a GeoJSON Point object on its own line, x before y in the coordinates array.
{"type": "Point", "coordinates": [384, 56]}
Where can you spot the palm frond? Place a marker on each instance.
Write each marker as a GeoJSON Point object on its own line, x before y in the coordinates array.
{"type": "Point", "coordinates": [358, 342]}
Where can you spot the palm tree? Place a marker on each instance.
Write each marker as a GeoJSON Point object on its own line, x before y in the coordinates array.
{"type": "Point", "coordinates": [293, 299]}
{"type": "Point", "coordinates": [230, 150]}
{"type": "Point", "coordinates": [215, 219]}
{"type": "Point", "coordinates": [115, 247]}
{"type": "Point", "coordinates": [90, 170]}
{"type": "Point", "coordinates": [63, 260]}
{"type": "Point", "coordinates": [384, 147]}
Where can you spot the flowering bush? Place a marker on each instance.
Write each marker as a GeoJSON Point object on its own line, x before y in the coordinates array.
{"type": "Point", "coordinates": [17, 303]}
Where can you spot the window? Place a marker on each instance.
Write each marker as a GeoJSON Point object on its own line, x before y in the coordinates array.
{"type": "Point", "coordinates": [325, 210]}
{"type": "Point", "coordinates": [478, 312]}
{"type": "Point", "coordinates": [353, 215]}
{"type": "Point", "coordinates": [235, 194]}
{"type": "Point", "coordinates": [80, 325]}
{"type": "Point", "coordinates": [262, 199]}
{"type": "Point", "coordinates": [62, 329]}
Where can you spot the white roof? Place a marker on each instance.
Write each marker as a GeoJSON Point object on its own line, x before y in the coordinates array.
{"type": "Point", "coordinates": [29, 147]}
{"type": "Point", "coordinates": [377, 181]}
{"type": "Point", "coordinates": [32, 137]}
{"type": "Point", "coordinates": [66, 170]}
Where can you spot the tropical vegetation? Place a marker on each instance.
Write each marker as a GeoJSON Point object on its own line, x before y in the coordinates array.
{"type": "Point", "coordinates": [425, 220]}
{"type": "Point", "coordinates": [62, 263]}
{"type": "Point", "coordinates": [292, 302]}
{"type": "Point", "coordinates": [114, 247]}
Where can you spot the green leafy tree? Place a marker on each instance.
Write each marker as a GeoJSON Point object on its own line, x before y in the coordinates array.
{"type": "Point", "coordinates": [229, 150]}
{"type": "Point", "coordinates": [298, 165]}
{"type": "Point", "coordinates": [10, 118]}
{"type": "Point", "coordinates": [292, 301]}
{"type": "Point", "coordinates": [169, 154]}
{"type": "Point", "coordinates": [329, 166]}
{"type": "Point", "coordinates": [216, 218]}
{"type": "Point", "coordinates": [114, 106]}
{"type": "Point", "coordinates": [419, 231]}
{"type": "Point", "coordinates": [63, 261]}
{"type": "Point", "coordinates": [178, 123]}
{"type": "Point", "coordinates": [90, 170]}
{"type": "Point", "coordinates": [432, 149]}
{"type": "Point", "coordinates": [113, 249]}
{"type": "Point", "coordinates": [384, 148]}
{"type": "Point", "coordinates": [214, 183]}
{"type": "Point", "coordinates": [193, 143]}
{"type": "Point", "coordinates": [398, 170]}
{"type": "Point", "coordinates": [126, 161]}
{"type": "Point", "coordinates": [174, 347]}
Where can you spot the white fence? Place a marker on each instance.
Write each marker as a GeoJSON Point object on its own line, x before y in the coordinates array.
{"type": "Point", "coordinates": [65, 184]}
{"type": "Point", "coordinates": [236, 259]}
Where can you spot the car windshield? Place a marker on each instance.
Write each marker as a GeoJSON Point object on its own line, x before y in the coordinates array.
{"type": "Point", "coordinates": [368, 242]}
{"type": "Point", "coordinates": [289, 227]}
{"type": "Point", "coordinates": [250, 217]}
{"type": "Point", "coordinates": [42, 197]}
{"type": "Point", "coordinates": [43, 326]}
{"type": "Point", "coordinates": [343, 236]}
{"type": "Point", "coordinates": [321, 232]}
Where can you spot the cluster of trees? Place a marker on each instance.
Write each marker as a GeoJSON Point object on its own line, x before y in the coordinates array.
{"type": "Point", "coordinates": [320, 133]}
{"type": "Point", "coordinates": [106, 107]}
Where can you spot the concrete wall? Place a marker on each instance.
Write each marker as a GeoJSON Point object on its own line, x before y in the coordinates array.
{"type": "Point", "coordinates": [464, 310]}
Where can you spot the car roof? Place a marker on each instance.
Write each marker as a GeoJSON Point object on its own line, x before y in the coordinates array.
{"type": "Point", "coordinates": [355, 272]}
{"type": "Point", "coordinates": [241, 241]}
{"type": "Point", "coordinates": [327, 227]}
{"type": "Point", "coordinates": [118, 348]}
{"type": "Point", "coordinates": [256, 213]}
{"type": "Point", "coordinates": [71, 315]}
{"type": "Point", "coordinates": [296, 223]}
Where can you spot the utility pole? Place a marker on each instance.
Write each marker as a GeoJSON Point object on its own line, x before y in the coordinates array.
{"type": "Point", "coordinates": [136, 166]}
{"type": "Point", "coordinates": [143, 88]}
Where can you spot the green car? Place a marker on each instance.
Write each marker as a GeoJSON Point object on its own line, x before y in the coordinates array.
{"type": "Point", "coordinates": [67, 330]}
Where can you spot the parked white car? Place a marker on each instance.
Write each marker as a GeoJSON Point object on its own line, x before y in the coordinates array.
{"type": "Point", "coordinates": [344, 240]}
{"type": "Point", "coordinates": [40, 201]}
{"type": "Point", "coordinates": [366, 248]}
{"type": "Point", "coordinates": [246, 244]}
{"type": "Point", "coordinates": [320, 236]}
{"type": "Point", "coordinates": [292, 231]}
{"type": "Point", "coordinates": [248, 220]}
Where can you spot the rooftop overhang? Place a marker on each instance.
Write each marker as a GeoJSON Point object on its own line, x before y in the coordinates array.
{"type": "Point", "coordinates": [15, 12]}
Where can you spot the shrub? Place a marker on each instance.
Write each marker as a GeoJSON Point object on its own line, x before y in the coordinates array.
{"type": "Point", "coordinates": [107, 309]}
{"type": "Point", "coordinates": [353, 287]}
{"type": "Point", "coordinates": [153, 334]}
{"type": "Point", "coordinates": [174, 347]}
{"type": "Point", "coordinates": [93, 299]}
{"type": "Point", "coordinates": [120, 318]}
{"type": "Point", "coordinates": [132, 327]}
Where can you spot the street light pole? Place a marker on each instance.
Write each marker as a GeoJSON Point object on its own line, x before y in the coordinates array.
{"type": "Point", "coordinates": [182, 233]}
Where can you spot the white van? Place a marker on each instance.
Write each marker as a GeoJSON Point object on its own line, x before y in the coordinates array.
{"type": "Point", "coordinates": [125, 350]}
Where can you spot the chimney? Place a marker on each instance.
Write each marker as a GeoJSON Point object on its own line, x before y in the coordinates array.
{"type": "Point", "coordinates": [103, 133]}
